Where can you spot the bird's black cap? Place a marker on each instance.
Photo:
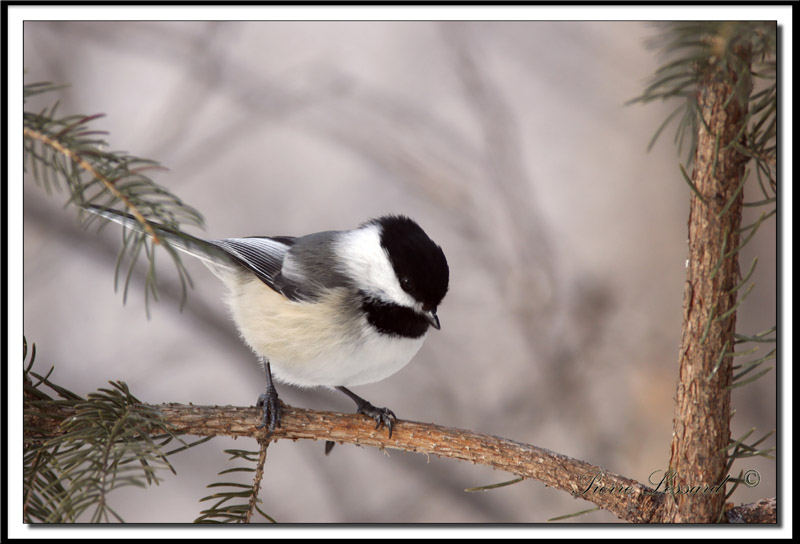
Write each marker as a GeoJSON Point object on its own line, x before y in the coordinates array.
{"type": "Point", "coordinates": [417, 260]}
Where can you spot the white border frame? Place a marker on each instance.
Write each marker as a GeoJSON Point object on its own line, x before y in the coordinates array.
{"type": "Point", "coordinates": [18, 14]}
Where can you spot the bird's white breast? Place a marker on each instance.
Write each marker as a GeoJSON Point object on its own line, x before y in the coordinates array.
{"type": "Point", "coordinates": [316, 343]}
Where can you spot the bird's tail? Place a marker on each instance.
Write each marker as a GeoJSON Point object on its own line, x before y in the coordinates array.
{"type": "Point", "coordinates": [207, 251]}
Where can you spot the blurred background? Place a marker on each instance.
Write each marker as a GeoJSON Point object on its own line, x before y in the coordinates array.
{"type": "Point", "coordinates": [509, 142]}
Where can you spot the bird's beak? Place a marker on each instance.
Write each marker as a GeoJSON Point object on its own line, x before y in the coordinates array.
{"type": "Point", "coordinates": [432, 318]}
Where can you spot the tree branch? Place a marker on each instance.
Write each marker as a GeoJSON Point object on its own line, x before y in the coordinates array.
{"type": "Point", "coordinates": [763, 511]}
{"type": "Point", "coordinates": [87, 166]}
{"type": "Point", "coordinates": [703, 400]}
{"type": "Point", "coordinates": [626, 498]}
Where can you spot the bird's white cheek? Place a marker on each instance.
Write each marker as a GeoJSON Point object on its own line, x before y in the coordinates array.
{"type": "Point", "coordinates": [364, 259]}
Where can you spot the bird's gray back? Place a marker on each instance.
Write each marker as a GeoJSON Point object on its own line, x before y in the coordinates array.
{"type": "Point", "coordinates": [313, 265]}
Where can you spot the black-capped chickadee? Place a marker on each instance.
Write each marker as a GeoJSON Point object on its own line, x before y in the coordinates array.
{"type": "Point", "coordinates": [334, 308]}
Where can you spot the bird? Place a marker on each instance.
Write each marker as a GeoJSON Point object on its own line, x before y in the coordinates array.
{"type": "Point", "coordinates": [338, 308]}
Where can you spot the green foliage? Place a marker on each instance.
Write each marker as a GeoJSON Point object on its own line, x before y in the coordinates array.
{"type": "Point", "coordinates": [110, 440]}
{"type": "Point", "coordinates": [575, 514]}
{"type": "Point", "coordinates": [239, 501]}
{"type": "Point", "coordinates": [694, 50]}
{"type": "Point", "coordinates": [72, 465]}
{"type": "Point", "coordinates": [494, 486]}
{"type": "Point", "coordinates": [66, 152]}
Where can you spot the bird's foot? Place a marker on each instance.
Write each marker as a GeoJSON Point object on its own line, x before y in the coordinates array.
{"type": "Point", "coordinates": [382, 416]}
{"type": "Point", "coordinates": [271, 416]}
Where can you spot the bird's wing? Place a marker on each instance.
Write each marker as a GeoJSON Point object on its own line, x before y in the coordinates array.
{"type": "Point", "coordinates": [302, 269]}
{"type": "Point", "coordinates": [264, 256]}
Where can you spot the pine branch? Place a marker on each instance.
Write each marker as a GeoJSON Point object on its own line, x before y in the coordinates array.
{"type": "Point", "coordinates": [702, 410]}
{"type": "Point", "coordinates": [85, 165]}
{"type": "Point", "coordinates": [67, 152]}
{"type": "Point", "coordinates": [763, 511]}
{"type": "Point", "coordinates": [49, 422]}
{"type": "Point", "coordinates": [626, 498]}
{"type": "Point", "coordinates": [107, 440]}
{"type": "Point", "coordinates": [712, 65]}
{"type": "Point", "coordinates": [226, 509]}
{"type": "Point", "coordinates": [623, 496]}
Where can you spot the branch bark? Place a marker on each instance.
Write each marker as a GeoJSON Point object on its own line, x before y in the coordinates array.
{"type": "Point", "coordinates": [763, 511]}
{"type": "Point", "coordinates": [626, 498]}
{"type": "Point", "coordinates": [701, 428]}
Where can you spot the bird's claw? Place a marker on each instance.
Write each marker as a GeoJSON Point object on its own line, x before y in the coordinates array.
{"type": "Point", "coordinates": [271, 416]}
{"type": "Point", "coordinates": [382, 416]}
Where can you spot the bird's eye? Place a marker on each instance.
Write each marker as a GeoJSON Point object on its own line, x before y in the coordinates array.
{"type": "Point", "coordinates": [406, 284]}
